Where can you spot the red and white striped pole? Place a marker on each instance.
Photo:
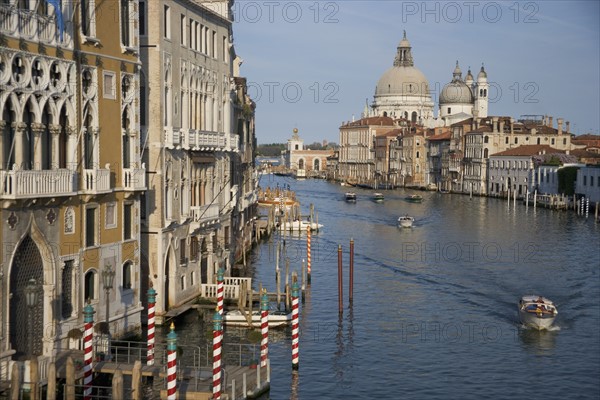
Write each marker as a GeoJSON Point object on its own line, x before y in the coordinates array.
{"type": "Point", "coordinates": [264, 328]}
{"type": "Point", "coordinates": [88, 320]}
{"type": "Point", "coordinates": [172, 364]}
{"type": "Point", "coordinates": [295, 330]}
{"type": "Point", "coordinates": [220, 274]}
{"type": "Point", "coordinates": [151, 305]}
{"type": "Point", "coordinates": [217, 337]}
{"type": "Point", "coordinates": [308, 269]}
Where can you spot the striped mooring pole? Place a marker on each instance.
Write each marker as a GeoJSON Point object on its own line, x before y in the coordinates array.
{"type": "Point", "coordinates": [88, 320]}
{"type": "Point", "coordinates": [172, 364]}
{"type": "Point", "coordinates": [295, 329]}
{"type": "Point", "coordinates": [220, 274]}
{"type": "Point", "coordinates": [308, 266]}
{"type": "Point", "coordinates": [264, 328]}
{"type": "Point", "coordinates": [217, 336]}
{"type": "Point", "coordinates": [151, 317]}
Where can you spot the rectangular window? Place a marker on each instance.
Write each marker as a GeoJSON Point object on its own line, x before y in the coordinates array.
{"type": "Point", "coordinates": [592, 180]}
{"type": "Point", "coordinates": [214, 45]}
{"type": "Point", "coordinates": [167, 21]}
{"type": "Point", "coordinates": [127, 221]}
{"type": "Point", "coordinates": [87, 18]}
{"type": "Point", "coordinates": [225, 52]}
{"type": "Point", "coordinates": [67, 290]}
{"type": "Point", "coordinates": [125, 23]}
{"type": "Point", "coordinates": [108, 85]}
{"type": "Point", "coordinates": [226, 237]}
{"type": "Point", "coordinates": [192, 35]}
{"type": "Point", "coordinates": [142, 18]}
{"type": "Point", "coordinates": [585, 180]}
{"type": "Point", "coordinates": [182, 254]}
{"type": "Point", "coordinates": [111, 220]}
{"type": "Point", "coordinates": [143, 206]}
{"type": "Point", "coordinates": [202, 40]}
{"type": "Point", "coordinates": [182, 32]}
{"type": "Point", "coordinates": [91, 235]}
{"type": "Point", "coordinates": [194, 249]}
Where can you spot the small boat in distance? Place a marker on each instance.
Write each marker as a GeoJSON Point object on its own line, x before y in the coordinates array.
{"type": "Point", "coordinates": [414, 198]}
{"type": "Point", "coordinates": [537, 312]}
{"type": "Point", "coordinates": [406, 221]}
{"type": "Point", "coordinates": [351, 197]}
{"type": "Point", "coordinates": [378, 197]}
{"type": "Point", "coordinates": [276, 318]}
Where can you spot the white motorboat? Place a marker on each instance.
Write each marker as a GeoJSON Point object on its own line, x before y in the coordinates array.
{"type": "Point", "coordinates": [378, 197]}
{"type": "Point", "coordinates": [406, 221]}
{"type": "Point", "coordinates": [537, 312]}
{"type": "Point", "coordinates": [237, 318]}
{"type": "Point", "coordinates": [299, 226]}
{"type": "Point", "coordinates": [351, 197]}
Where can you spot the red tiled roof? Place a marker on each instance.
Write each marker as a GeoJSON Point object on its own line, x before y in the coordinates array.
{"type": "Point", "coordinates": [441, 136]}
{"type": "Point", "coordinates": [529, 150]}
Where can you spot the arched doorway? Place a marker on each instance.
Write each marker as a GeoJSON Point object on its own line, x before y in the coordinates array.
{"type": "Point", "coordinates": [25, 337]}
{"type": "Point", "coordinates": [301, 163]}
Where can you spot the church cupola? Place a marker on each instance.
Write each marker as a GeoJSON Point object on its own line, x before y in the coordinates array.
{"type": "Point", "coordinates": [404, 56]}
{"type": "Point", "coordinates": [457, 74]}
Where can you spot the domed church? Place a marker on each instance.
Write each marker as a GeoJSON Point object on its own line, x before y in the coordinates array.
{"type": "Point", "coordinates": [461, 99]}
{"type": "Point", "coordinates": [403, 92]}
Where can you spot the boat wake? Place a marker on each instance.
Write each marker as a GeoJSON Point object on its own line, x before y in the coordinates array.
{"type": "Point", "coordinates": [552, 328]}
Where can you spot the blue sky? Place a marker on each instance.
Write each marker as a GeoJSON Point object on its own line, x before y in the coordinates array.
{"type": "Point", "coordinates": [312, 64]}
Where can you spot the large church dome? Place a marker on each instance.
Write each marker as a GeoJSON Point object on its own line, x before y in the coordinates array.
{"type": "Point", "coordinates": [402, 80]}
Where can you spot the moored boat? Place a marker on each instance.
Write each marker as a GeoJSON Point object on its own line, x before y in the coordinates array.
{"type": "Point", "coordinates": [299, 226]}
{"type": "Point", "coordinates": [350, 197]}
{"type": "Point", "coordinates": [406, 221]}
{"type": "Point", "coordinates": [414, 198]}
{"type": "Point", "coordinates": [237, 318]}
{"type": "Point", "coordinates": [537, 312]}
{"type": "Point", "coordinates": [378, 197]}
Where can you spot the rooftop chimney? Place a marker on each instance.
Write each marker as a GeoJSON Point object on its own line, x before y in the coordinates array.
{"type": "Point", "coordinates": [559, 121]}
{"type": "Point", "coordinates": [494, 124]}
{"type": "Point", "coordinates": [512, 125]}
{"type": "Point", "coordinates": [568, 127]}
{"type": "Point", "coordinates": [550, 122]}
{"type": "Point", "coordinates": [501, 126]}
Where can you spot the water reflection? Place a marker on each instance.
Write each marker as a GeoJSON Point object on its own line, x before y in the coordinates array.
{"type": "Point", "coordinates": [537, 342]}
{"type": "Point", "coordinates": [295, 385]}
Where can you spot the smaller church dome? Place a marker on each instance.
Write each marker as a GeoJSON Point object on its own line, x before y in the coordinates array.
{"type": "Point", "coordinates": [456, 92]}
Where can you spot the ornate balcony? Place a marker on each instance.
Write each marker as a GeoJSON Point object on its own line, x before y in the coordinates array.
{"type": "Point", "coordinates": [206, 215]}
{"type": "Point", "coordinates": [23, 184]}
{"type": "Point", "coordinates": [172, 138]}
{"type": "Point", "coordinates": [134, 179]}
{"type": "Point", "coordinates": [96, 181]}
{"type": "Point", "coordinates": [28, 24]}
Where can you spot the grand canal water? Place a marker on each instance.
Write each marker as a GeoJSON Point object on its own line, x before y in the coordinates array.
{"type": "Point", "coordinates": [434, 314]}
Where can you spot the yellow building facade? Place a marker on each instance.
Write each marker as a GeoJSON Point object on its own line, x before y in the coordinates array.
{"type": "Point", "coordinates": [71, 175]}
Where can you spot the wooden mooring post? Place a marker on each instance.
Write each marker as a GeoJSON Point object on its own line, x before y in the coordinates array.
{"type": "Point", "coordinates": [340, 288]}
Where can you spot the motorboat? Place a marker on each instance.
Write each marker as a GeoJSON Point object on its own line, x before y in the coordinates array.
{"type": "Point", "coordinates": [350, 197]}
{"type": "Point", "coordinates": [406, 221]}
{"type": "Point", "coordinates": [414, 198]}
{"type": "Point", "coordinates": [237, 318]}
{"type": "Point", "coordinates": [378, 197]}
{"type": "Point", "coordinates": [537, 312]}
{"type": "Point", "coordinates": [299, 226]}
